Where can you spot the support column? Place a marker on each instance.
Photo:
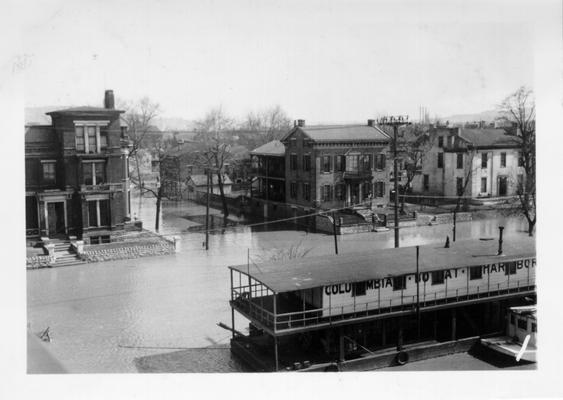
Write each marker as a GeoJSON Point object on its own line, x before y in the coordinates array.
{"type": "Point", "coordinates": [126, 199]}
{"type": "Point", "coordinates": [383, 333]}
{"type": "Point", "coordinates": [435, 326]}
{"type": "Point", "coordinates": [400, 336]}
{"type": "Point", "coordinates": [454, 323]}
{"type": "Point", "coordinates": [276, 353]}
{"type": "Point", "coordinates": [341, 350]}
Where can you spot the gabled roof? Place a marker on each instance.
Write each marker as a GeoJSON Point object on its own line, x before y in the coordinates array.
{"type": "Point", "coordinates": [201, 180]}
{"type": "Point", "coordinates": [85, 110]}
{"type": "Point", "coordinates": [342, 133]}
{"type": "Point", "coordinates": [312, 272]}
{"type": "Point", "coordinates": [489, 137]}
{"type": "Point", "coordinates": [273, 148]}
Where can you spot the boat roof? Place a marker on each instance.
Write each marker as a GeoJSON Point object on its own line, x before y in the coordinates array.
{"type": "Point", "coordinates": [312, 272]}
{"type": "Point", "coordinates": [525, 311]}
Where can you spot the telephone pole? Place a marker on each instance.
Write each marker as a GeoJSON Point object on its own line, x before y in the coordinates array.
{"type": "Point", "coordinates": [395, 122]}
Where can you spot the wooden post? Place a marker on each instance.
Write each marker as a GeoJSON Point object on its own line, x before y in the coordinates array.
{"type": "Point", "coordinates": [276, 353]}
{"type": "Point", "coordinates": [417, 294]}
{"type": "Point", "coordinates": [454, 322]}
{"type": "Point", "coordinates": [400, 336]}
{"type": "Point", "coordinates": [341, 351]}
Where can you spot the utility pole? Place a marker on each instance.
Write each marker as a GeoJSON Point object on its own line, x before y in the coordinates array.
{"type": "Point", "coordinates": [207, 213]}
{"type": "Point", "coordinates": [395, 122]}
{"type": "Point", "coordinates": [455, 217]}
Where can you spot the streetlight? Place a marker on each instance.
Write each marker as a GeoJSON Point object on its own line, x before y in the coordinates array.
{"type": "Point", "coordinates": [395, 122]}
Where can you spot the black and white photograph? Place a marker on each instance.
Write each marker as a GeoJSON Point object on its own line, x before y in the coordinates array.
{"type": "Point", "coordinates": [243, 192]}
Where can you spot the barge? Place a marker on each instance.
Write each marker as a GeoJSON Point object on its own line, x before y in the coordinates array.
{"type": "Point", "coordinates": [344, 311]}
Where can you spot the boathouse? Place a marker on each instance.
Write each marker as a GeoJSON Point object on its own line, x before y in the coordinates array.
{"type": "Point", "coordinates": [344, 306]}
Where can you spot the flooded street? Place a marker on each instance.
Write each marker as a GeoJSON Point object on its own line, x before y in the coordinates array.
{"type": "Point", "coordinates": [102, 316]}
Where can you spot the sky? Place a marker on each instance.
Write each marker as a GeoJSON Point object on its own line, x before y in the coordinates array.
{"type": "Point", "coordinates": [320, 61]}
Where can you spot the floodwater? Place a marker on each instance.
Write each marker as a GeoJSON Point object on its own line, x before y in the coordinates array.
{"type": "Point", "coordinates": [119, 316]}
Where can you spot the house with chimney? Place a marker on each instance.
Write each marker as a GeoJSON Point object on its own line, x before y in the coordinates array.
{"type": "Point", "coordinates": [316, 168]}
{"type": "Point", "coordinates": [337, 166]}
{"type": "Point", "coordinates": [471, 163]}
{"type": "Point", "coordinates": [76, 171]}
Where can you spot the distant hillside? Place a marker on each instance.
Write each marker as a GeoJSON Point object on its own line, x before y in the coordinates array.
{"type": "Point", "coordinates": [488, 116]}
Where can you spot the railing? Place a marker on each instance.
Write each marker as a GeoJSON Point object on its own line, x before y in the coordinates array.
{"type": "Point", "coordinates": [357, 174]}
{"type": "Point", "coordinates": [102, 187]}
{"type": "Point", "coordinates": [328, 315]}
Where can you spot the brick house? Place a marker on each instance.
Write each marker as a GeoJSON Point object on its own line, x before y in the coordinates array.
{"type": "Point", "coordinates": [336, 166]}
{"type": "Point", "coordinates": [76, 174]}
{"type": "Point", "coordinates": [489, 158]}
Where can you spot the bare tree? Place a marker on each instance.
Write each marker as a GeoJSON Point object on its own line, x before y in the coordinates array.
{"type": "Point", "coordinates": [271, 123]}
{"type": "Point", "coordinates": [138, 117]}
{"type": "Point", "coordinates": [519, 109]}
{"type": "Point", "coordinates": [413, 146]}
{"type": "Point", "coordinates": [214, 132]}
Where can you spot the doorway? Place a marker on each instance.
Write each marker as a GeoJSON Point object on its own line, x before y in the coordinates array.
{"type": "Point", "coordinates": [56, 221]}
{"type": "Point", "coordinates": [502, 185]}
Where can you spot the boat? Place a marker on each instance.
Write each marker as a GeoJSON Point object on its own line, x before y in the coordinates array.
{"type": "Point", "coordinates": [520, 339]}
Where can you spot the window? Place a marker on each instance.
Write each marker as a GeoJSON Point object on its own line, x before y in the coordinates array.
{"type": "Point", "coordinates": [366, 162]}
{"type": "Point", "coordinates": [358, 289]}
{"type": "Point", "coordinates": [293, 142]}
{"type": "Point", "coordinates": [293, 162]}
{"type": "Point", "coordinates": [293, 190]}
{"type": "Point", "coordinates": [520, 159]}
{"type": "Point", "coordinates": [103, 139]}
{"type": "Point", "coordinates": [49, 172]}
{"type": "Point", "coordinates": [502, 160]}
{"type": "Point", "coordinates": [98, 213]}
{"type": "Point", "coordinates": [440, 160]}
{"type": "Point", "coordinates": [459, 161]}
{"type": "Point", "coordinates": [399, 282]}
{"type": "Point", "coordinates": [440, 141]}
{"type": "Point", "coordinates": [340, 163]}
{"type": "Point", "coordinates": [484, 160]}
{"type": "Point", "coordinates": [327, 193]}
{"type": "Point", "coordinates": [437, 277]}
{"type": "Point", "coordinates": [90, 138]}
{"type": "Point", "coordinates": [380, 161]}
{"type": "Point", "coordinates": [94, 173]}
{"type": "Point", "coordinates": [79, 138]}
{"type": "Point", "coordinates": [379, 189]}
{"type": "Point", "coordinates": [534, 327]}
{"type": "Point", "coordinates": [306, 191]}
{"type": "Point", "coordinates": [352, 163]}
{"type": "Point", "coordinates": [510, 268]}
{"type": "Point", "coordinates": [326, 163]}
{"type": "Point", "coordinates": [426, 181]}
{"type": "Point", "coordinates": [475, 273]}
{"type": "Point", "coordinates": [512, 319]}
{"type": "Point", "coordinates": [306, 162]}
{"type": "Point", "coordinates": [340, 191]}
{"type": "Point", "coordinates": [522, 324]}
{"type": "Point", "coordinates": [459, 186]}
{"type": "Point", "coordinates": [483, 185]}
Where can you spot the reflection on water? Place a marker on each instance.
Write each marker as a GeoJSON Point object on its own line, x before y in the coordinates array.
{"type": "Point", "coordinates": [105, 316]}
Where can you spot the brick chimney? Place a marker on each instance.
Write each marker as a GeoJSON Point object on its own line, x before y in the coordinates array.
{"type": "Point", "coordinates": [371, 122]}
{"type": "Point", "coordinates": [109, 101]}
{"type": "Point", "coordinates": [301, 122]}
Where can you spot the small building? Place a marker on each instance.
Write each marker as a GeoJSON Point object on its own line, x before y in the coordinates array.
{"type": "Point", "coordinates": [198, 184]}
{"type": "Point", "coordinates": [345, 308]}
{"type": "Point", "coordinates": [471, 163]}
{"type": "Point", "coordinates": [76, 170]}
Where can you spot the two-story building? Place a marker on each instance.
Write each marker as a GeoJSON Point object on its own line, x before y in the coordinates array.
{"type": "Point", "coordinates": [471, 163]}
{"type": "Point", "coordinates": [336, 166]}
{"type": "Point", "coordinates": [76, 171]}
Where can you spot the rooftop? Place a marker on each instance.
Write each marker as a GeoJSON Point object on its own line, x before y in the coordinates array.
{"type": "Point", "coordinates": [339, 133]}
{"type": "Point", "coordinates": [312, 272]}
{"type": "Point", "coordinates": [489, 137]}
{"type": "Point", "coordinates": [273, 148]}
{"type": "Point", "coordinates": [85, 110]}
